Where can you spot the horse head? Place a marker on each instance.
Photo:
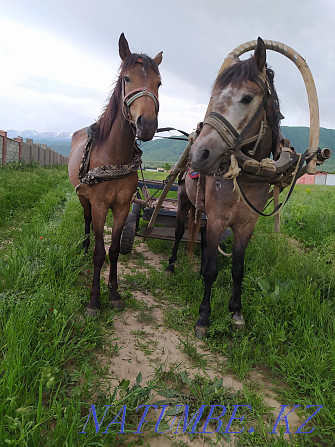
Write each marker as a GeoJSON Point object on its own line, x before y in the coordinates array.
{"type": "Point", "coordinates": [140, 81]}
{"type": "Point", "coordinates": [242, 104]}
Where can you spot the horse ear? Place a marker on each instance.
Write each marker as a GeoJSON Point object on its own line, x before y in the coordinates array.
{"type": "Point", "coordinates": [158, 58]}
{"type": "Point", "coordinates": [260, 54]}
{"type": "Point", "coordinates": [124, 50]}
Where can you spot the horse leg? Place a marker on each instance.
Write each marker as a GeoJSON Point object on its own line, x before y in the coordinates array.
{"type": "Point", "coordinates": [99, 212]}
{"type": "Point", "coordinates": [241, 240]}
{"type": "Point", "coordinates": [184, 206]}
{"type": "Point", "coordinates": [88, 219]}
{"type": "Point", "coordinates": [209, 272]}
{"type": "Point", "coordinates": [120, 216]}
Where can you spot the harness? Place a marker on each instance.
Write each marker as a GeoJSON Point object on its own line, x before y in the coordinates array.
{"type": "Point", "coordinates": [104, 173]}
{"type": "Point", "coordinates": [129, 98]}
{"type": "Point", "coordinates": [236, 141]}
{"type": "Point", "coordinates": [230, 135]}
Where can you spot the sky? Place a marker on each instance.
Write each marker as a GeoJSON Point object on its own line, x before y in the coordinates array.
{"type": "Point", "coordinates": [59, 58]}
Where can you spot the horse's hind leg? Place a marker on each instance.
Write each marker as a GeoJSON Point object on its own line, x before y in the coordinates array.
{"type": "Point", "coordinates": [184, 206]}
{"type": "Point", "coordinates": [88, 219]}
{"type": "Point", "coordinates": [241, 240]}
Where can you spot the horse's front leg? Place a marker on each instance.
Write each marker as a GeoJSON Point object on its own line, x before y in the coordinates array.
{"type": "Point", "coordinates": [242, 236]}
{"type": "Point", "coordinates": [99, 212]}
{"type": "Point", "coordinates": [88, 219]}
{"type": "Point", "coordinates": [209, 272]}
{"type": "Point", "coordinates": [119, 219]}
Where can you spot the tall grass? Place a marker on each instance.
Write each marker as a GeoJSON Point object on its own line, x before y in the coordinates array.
{"type": "Point", "coordinates": [48, 369]}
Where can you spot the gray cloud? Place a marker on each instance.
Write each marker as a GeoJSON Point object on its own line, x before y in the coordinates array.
{"type": "Point", "coordinates": [50, 86]}
{"type": "Point", "coordinates": [195, 37]}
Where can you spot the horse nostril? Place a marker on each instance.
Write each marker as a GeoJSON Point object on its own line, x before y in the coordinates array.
{"type": "Point", "coordinates": [205, 154]}
{"type": "Point", "coordinates": [139, 121]}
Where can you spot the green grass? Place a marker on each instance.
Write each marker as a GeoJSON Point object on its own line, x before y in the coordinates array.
{"type": "Point", "coordinates": [48, 372]}
{"type": "Point", "coordinates": [49, 375]}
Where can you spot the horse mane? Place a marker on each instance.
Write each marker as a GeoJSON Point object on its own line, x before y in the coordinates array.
{"type": "Point", "coordinates": [247, 70]}
{"type": "Point", "coordinates": [105, 121]}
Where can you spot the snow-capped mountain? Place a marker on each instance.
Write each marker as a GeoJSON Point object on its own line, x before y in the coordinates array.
{"type": "Point", "coordinates": [38, 136]}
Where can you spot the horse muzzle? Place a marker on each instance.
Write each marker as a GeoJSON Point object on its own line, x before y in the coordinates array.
{"type": "Point", "coordinates": [146, 128]}
{"type": "Point", "coordinates": [205, 159]}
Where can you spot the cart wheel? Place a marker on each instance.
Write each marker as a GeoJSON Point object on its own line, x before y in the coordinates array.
{"type": "Point", "coordinates": [128, 235]}
{"type": "Point", "coordinates": [136, 209]}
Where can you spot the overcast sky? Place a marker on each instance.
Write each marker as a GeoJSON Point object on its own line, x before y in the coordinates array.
{"type": "Point", "coordinates": [59, 58]}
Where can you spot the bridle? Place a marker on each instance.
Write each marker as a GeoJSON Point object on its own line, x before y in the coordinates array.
{"type": "Point", "coordinates": [230, 135]}
{"type": "Point", "coordinates": [129, 98]}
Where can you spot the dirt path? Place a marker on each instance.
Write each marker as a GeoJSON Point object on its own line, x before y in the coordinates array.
{"type": "Point", "coordinates": [142, 343]}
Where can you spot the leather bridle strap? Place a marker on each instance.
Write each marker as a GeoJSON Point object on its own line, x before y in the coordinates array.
{"type": "Point", "coordinates": [296, 175]}
{"type": "Point", "coordinates": [228, 133]}
{"type": "Point", "coordinates": [132, 96]}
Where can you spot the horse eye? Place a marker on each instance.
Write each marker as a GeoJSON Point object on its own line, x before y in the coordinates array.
{"type": "Point", "coordinates": [126, 79]}
{"type": "Point", "coordinates": [247, 99]}
{"type": "Point", "coordinates": [159, 84]}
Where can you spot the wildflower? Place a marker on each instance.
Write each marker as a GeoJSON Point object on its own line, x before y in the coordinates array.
{"type": "Point", "coordinates": [41, 237]}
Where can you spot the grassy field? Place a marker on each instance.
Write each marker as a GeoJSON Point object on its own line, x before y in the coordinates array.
{"type": "Point", "coordinates": [49, 375]}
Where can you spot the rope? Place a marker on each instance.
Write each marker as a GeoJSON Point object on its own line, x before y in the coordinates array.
{"type": "Point", "coordinates": [232, 174]}
{"type": "Point", "coordinates": [197, 201]}
{"type": "Point", "coordinates": [301, 160]}
{"type": "Point", "coordinates": [234, 168]}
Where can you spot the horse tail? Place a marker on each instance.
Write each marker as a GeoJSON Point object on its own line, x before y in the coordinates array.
{"type": "Point", "coordinates": [194, 222]}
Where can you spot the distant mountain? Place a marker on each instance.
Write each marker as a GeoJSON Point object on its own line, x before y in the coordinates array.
{"type": "Point", "coordinates": [160, 151]}
{"type": "Point", "coordinates": [299, 137]}
{"type": "Point", "coordinates": [37, 136]}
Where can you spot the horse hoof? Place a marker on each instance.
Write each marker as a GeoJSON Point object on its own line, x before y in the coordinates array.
{"type": "Point", "coordinates": [238, 321]}
{"type": "Point", "coordinates": [117, 304]}
{"type": "Point", "coordinates": [200, 332]}
{"type": "Point", "coordinates": [92, 312]}
{"type": "Point", "coordinates": [169, 271]}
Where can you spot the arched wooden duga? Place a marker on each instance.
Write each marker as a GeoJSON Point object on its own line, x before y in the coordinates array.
{"type": "Point", "coordinates": [306, 74]}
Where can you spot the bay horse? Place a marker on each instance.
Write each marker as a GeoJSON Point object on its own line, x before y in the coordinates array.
{"type": "Point", "coordinates": [107, 178]}
{"type": "Point", "coordinates": [245, 109]}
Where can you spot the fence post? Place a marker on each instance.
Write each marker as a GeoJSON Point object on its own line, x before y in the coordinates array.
{"type": "Point", "coordinates": [20, 141]}
{"type": "Point", "coordinates": [3, 133]}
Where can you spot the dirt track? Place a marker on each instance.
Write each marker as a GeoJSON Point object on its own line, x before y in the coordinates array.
{"type": "Point", "coordinates": [146, 343]}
